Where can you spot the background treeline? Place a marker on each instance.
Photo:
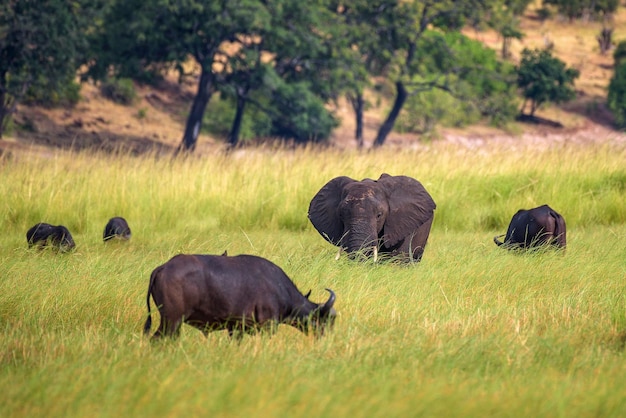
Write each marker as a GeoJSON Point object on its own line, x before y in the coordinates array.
{"type": "Point", "coordinates": [275, 65]}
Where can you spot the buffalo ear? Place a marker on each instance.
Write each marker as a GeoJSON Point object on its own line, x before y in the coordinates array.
{"type": "Point", "coordinates": [410, 206]}
{"type": "Point", "coordinates": [323, 209]}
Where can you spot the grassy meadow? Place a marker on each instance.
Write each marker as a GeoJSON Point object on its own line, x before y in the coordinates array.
{"type": "Point", "coordinates": [470, 331]}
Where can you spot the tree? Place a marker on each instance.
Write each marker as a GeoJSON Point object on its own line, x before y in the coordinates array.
{"type": "Point", "coordinates": [482, 87]}
{"type": "Point", "coordinates": [238, 45]}
{"type": "Point", "coordinates": [505, 20]}
{"type": "Point", "coordinates": [41, 46]}
{"type": "Point", "coordinates": [389, 38]}
{"type": "Point", "coordinates": [616, 99]}
{"type": "Point", "coordinates": [574, 9]}
{"type": "Point", "coordinates": [619, 55]}
{"type": "Point", "coordinates": [140, 34]}
{"type": "Point", "coordinates": [361, 58]}
{"type": "Point", "coordinates": [290, 59]}
{"type": "Point", "coordinates": [544, 78]}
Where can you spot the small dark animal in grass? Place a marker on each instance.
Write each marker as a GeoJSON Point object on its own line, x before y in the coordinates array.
{"type": "Point", "coordinates": [116, 228]}
{"type": "Point", "coordinates": [43, 235]}
{"type": "Point", "coordinates": [242, 293]}
{"type": "Point", "coordinates": [391, 215]}
{"type": "Point", "coordinates": [533, 228]}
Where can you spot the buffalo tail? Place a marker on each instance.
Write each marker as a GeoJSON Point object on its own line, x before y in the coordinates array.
{"type": "Point", "coordinates": [148, 324]}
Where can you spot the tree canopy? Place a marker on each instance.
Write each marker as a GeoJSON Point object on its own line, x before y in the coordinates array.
{"type": "Point", "coordinates": [544, 78]}
{"type": "Point", "coordinates": [41, 46]}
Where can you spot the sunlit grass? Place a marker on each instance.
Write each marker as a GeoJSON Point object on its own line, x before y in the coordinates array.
{"type": "Point", "coordinates": [472, 330]}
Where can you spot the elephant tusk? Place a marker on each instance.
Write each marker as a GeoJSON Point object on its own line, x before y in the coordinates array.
{"type": "Point", "coordinates": [338, 253]}
{"type": "Point", "coordinates": [375, 254]}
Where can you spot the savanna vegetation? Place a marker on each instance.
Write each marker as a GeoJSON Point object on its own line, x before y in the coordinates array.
{"type": "Point", "coordinates": [472, 330]}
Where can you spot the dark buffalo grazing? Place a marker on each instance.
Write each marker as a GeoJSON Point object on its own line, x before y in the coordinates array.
{"type": "Point", "coordinates": [533, 228]}
{"type": "Point", "coordinates": [116, 228]}
{"type": "Point", "coordinates": [242, 293]}
{"type": "Point", "coordinates": [391, 216]}
{"type": "Point", "coordinates": [43, 235]}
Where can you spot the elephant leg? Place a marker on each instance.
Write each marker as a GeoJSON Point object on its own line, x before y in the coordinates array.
{"type": "Point", "coordinates": [417, 243]}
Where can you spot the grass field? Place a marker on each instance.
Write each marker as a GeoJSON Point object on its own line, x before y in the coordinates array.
{"type": "Point", "coordinates": [470, 331]}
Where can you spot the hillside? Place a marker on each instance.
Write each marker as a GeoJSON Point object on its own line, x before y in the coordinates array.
{"type": "Point", "coordinates": [156, 120]}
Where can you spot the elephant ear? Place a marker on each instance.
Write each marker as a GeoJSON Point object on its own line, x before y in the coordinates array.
{"type": "Point", "coordinates": [323, 209]}
{"type": "Point", "coordinates": [410, 206]}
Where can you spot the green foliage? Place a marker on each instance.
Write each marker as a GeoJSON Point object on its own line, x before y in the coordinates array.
{"type": "Point", "coordinates": [227, 41]}
{"type": "Point", "coordinates": [299, 114]}
{"type": "Point", "coordinates": [544, 78]}
{"type": "Point", "coordinates": [219, 116]}
{"type": "Point", "coordinates": [119, 90]}
{"type": "Point", "coordinates": [505, 20]}
{"type": "Point", "coordinates": [619, 55]}
{"type": "Point", "coordinates": [482, 88]}
{"type": "Point", "coordinates": [616, 100]}
{"type": "Point", "coordinates": [41, 47]}
{"type": "Point", "coordinates": [424, 111]}
{"type": "Point", "coordinates": [574, 9]}
{"type": "Point", "coordinates": [65, 93]}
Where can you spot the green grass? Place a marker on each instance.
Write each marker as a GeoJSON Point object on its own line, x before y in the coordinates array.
{"type": "Point", "coordinates": [470, 331]}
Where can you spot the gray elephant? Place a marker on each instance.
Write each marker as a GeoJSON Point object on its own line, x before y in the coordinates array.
{"type": "Point", "coordinates": [391, 215]}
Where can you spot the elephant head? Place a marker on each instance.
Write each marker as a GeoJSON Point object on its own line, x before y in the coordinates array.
{"type": "Point", "coordinates": [390, 215]}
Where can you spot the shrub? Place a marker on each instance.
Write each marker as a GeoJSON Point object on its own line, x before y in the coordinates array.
{"type": "Point", "coordinates": [616, 100]}
{"type": "Point", "coordinates": [300, 115]}
{"type": "Point", "coordinates": [43, 93]}
{"type": "Point", "coordinates": [619, 55]}
{"type": "Point", "coordinates": [119, 90]}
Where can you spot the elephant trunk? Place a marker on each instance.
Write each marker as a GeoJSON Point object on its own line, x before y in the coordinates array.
{"type": "Point", "coordinates": [359, 243]}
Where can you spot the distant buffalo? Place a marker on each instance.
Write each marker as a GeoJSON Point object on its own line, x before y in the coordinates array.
{"type": "Point", "coordinates": [533, 228]}
{"type": "Point", "coordinates": [116, 228]}
{"type": "Point", "coordinates": [242, 293]}
{"type": "Point", "coordinates": [43, 234]}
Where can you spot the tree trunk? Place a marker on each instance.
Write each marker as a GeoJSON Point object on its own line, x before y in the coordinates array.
{"type": "Point", "coordinates": [200, 101]}
{"type": "Point", "coordinates": [506, 47]}
{"type": "Point", "coordinates": [4, 112]}
{"type": "Point", "coordinates": [358, 104]}
{"type": "Point", "coordinates": [387, 126]}
{"type": "Point", "coordinates": [8, 106]}
{"type": "Point", "coordinates": [233, 136]}
{"type": "Point", "coordinates": [605, 40]}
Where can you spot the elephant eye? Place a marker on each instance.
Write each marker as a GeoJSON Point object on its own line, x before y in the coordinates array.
{"type": "Point", "coordinates": [378, 215]}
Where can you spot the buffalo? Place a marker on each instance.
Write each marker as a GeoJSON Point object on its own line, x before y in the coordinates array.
{"type": "Point", "coordinates": [43, 235]}
{"type": "Point", "coordinates": [533, 228]}
{"type": "Point", "coordinates": [242, 293]}
{"type": "Point", "coordinates": [116, 228]}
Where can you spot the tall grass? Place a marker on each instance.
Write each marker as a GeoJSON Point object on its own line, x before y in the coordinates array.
{"type": "Point", "coordinates": [472, 330]}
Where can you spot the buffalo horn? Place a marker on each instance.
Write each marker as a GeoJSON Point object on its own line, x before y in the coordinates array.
{"type": "Point", "coordinates": [498, 242]}
{"type": "Point", "coordinates": [325, 309]}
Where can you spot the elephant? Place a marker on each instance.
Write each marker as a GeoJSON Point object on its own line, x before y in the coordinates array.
{"type": "Point", "coordinates": [392, 216]}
